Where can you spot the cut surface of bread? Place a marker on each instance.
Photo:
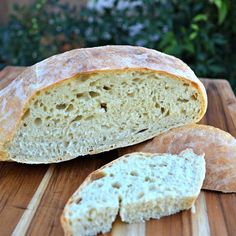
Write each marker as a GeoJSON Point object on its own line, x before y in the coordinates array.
{"type": "Point", "coordinates": [137, 186]}
{"type": "Point", "coordinates": [219, 148]}
{"type": "Point", "coordinates": [103, 98]}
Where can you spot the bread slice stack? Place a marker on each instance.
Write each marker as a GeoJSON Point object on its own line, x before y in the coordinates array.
{"type": "Point", "coordinates": [137, 186]}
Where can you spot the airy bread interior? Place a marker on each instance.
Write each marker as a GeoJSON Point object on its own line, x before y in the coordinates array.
{"type": "Point", "coordinates": [101, 111]}
{"type": "Point", "coordinates": [137, 186]}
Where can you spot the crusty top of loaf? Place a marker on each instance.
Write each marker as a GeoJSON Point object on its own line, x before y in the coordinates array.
{"type": "Point", "coordinates": [15, 97]}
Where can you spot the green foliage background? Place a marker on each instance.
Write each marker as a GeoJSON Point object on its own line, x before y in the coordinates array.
{"type": "Point", "coordinates": [202, 33]}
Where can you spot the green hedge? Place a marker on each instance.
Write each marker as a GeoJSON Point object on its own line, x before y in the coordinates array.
{"type": "Point", "coordinates": [202, 33]}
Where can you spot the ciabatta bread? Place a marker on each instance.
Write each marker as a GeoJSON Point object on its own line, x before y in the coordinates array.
{"type": "Point", "coordinates": [138, 187]}
{"type": "Point", "coordinates": [87, 101]}
{"type": "Point", "coordinates": [219, 148]}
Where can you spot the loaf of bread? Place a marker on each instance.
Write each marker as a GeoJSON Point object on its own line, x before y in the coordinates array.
{"type": "Point", "coordinates": [138, 187]}
{"type": "Point", "coordinates": [87, 101]}
{"type": "Point", "coordinates": [219, 148]}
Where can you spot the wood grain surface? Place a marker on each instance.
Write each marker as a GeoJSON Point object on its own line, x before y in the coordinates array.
{"type": "Point", "coordinates": [32, 197]}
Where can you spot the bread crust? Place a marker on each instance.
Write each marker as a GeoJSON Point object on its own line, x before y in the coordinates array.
{"type": "Point", "coordinates": [219, 148]}
{"type": "Point", "coordinates": [15, 97]}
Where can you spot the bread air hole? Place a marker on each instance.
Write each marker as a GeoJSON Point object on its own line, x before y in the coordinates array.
{"type": "Point", "coordinates": [147, 179]}
{"type": "Point", "coordinates": [66, 144]}
{"type": "Point", "coordinates": [84, 78]}
{"type": "Point", "coordinates": [80, 95]}
{"type": "Point", "coordinates": [61, 106]}
{"type": "Point", "coordinates": [152, 165]}
{"type": "Point", "coordinates": [38, 121]}
{"type": "Point", "coordinates": [133, 173]}
{"type": "Point", "coordinates": [104, 106]}
{"type": "Point", "coordinates": [163, 165]}
{"type": "Point", "coordinates": [116, 185]}
{"type": "Point", "coordinates": [92, 213]}
{"type": "Point", "coordinates": [78, 201]}
{"type": "Point", "coordinates": [157, 105]}
{"type": "Point", "coordinates": [93, 94]}
{"type": "Point", "coordinates": [36, 103]}
{"type": "Point", "coordinates": [141, 131]}
{"type": "Point", "coordinates": [77, 118]}
{"type": "Point", "coordinates": [137, 80]}
{"type": "Point", "coordinates": [152, 188]}
{"type": "Point", "coordinates": [130, 94]}
{"type": "Point", "coordinates": [93, 84]}
{"type": "Point", "coordinates": [106, 87]}
{"type": "Point", "coordinates": [140, 195]}
{"type": "Point", "coordinates": [70, 108]}
{"type": "Point", "coordinates": [182, 100]}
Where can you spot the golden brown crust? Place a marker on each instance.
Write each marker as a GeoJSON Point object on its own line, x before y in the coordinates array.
{"type": "Point", "coordinates": [219, 148]}
{"type": "Point", "coordinates": [15, 97]}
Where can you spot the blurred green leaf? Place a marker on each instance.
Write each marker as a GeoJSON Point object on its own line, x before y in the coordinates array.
{"type": "Point", "coordinates": [193, 35]}
{"type": "Point", "coordinates": [202, 33]}
{"type": "Point", "coordinates": [222, 6]}
{"type": "Point", "coordinates": [195, 27]}
{"type": "Point", "coordinates": [200, 17]}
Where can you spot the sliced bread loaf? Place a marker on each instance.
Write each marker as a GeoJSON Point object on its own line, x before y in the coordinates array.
{"type": "Point", "coordinates": [138, 186]}
{"type": "Point", "coordinates": [87, 101]}
{"type": "Point", "coordinates": [219, 148]}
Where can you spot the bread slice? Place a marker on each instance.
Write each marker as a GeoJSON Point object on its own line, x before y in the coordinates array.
{"type": "Point", "coordinates": [219, 148]}
{"type": "Point", "coordinates": [138, 186]}
{"type": "Point", "coordinates": [87, 101]}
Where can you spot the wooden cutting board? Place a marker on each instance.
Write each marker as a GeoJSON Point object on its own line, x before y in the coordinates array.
{"type": "Point", "coordinates": [32, 197]}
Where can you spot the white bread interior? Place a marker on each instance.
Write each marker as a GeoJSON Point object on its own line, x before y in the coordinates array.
{"type": "Point", "coordinates": [100, 111]}
{"type": "Point", "coordinates": [137, 186]}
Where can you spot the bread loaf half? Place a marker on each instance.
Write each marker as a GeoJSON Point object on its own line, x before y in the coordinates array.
{"type": "Point", "coordinates": [87, 101]}
{"type": "Point", "coordinates": [219, 148]}
{"type": "Point", "coordinates": [138, 187]}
